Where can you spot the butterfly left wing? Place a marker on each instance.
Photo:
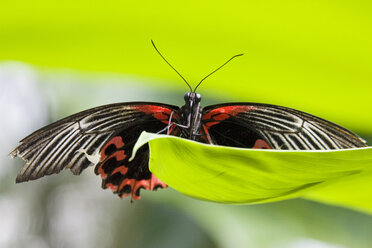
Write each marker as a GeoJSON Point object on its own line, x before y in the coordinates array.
{"type": "Point", "coordinates": [103, 136]}
{"type": "Point", "coordinates": [254, 125]}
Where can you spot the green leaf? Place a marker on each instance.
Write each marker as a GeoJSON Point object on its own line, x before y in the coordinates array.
{"type": "Point", "coordinates": [245, 176]}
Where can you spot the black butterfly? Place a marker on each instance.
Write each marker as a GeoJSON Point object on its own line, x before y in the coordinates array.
{"type": "Point", "coordinates": [111, 131]}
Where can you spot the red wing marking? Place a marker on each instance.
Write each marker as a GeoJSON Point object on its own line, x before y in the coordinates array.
{"type": "Point", "coordinates": [145, 184]}
{"type": "Point", "coordinates": [217, 115]}
{"type": "Point", "coordinates": [121, 176]}
{"type": "Point", "coordinates": [160, 116]}
{"type": "Point", "coordinates": [151, 109]}
{"type": "Point", "coordinates": [114, 188]}
{"type": "Point", "coordinates": [221, 117]}
{"type": "Point", "coordinates": [261, 144]}
{"type": "Point", "coordinates": [173, 130]}
{"type": "Point", "coordinates": [155, 182]}
{"type": "Point", "coordinates": [158, 112]}
{"type": "Point", "coordinates": [117, 141]}
{"type": "Point", "coordinates": [136, 185]}
{"type": "Point", "coordinates": [122, 169]}
{"type": "Point", "coordinates": [206, 137]}
{"type": "Point", "coordinates": [124, 195]}
{"type": "Point", "coordinates": [101, 172]}
{"type": "Point", "coordinates": [209, 124]}
{"type": "Point", "coordinates": [127, 181]}
{"type": "Point", "coordinates": [118, 155]}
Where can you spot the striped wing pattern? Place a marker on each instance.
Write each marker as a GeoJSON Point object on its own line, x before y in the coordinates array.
{"type": "Point", "coordinates": [104, 136]}
{"type": "Point", "coordinates": [281, 127]}
{"type": "Point", "coordinates": [75, 142]}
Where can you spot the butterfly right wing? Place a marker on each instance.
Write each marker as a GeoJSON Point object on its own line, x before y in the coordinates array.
{"type": "Point", "coordinates": [83, 139]}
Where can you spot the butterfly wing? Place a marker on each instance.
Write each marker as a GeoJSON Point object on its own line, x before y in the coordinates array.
{"type": "Point", "coordinates": [104, 136]}
{"type": "Point", "coordinates": [253, 125]}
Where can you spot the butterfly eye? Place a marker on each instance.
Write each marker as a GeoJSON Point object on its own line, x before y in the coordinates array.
{"type": "Point", "coordinates": [198, 97]}
{"type": "Point", "coordinates": [186, 96]}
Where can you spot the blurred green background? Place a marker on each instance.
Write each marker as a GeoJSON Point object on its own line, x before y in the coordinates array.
{"type": "Point", "coordinates": [57, 58]}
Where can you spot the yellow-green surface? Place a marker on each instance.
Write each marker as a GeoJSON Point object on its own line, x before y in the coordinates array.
{"type": "Point", "coordinates": [311, 55]}
{"type": "Point", "coordinates": [244, 176]}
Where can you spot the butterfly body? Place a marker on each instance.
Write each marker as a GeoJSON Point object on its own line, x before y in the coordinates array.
{"type": "Point", "coordinates": [191, 114]}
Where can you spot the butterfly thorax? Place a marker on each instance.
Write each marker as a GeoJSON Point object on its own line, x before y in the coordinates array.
{"type": "Point", "coordinates": [191, 114]}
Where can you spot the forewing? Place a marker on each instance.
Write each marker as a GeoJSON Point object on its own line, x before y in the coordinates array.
{"type": "Point", "coordinates": [253, 125]}
{"type": "Point", "coordinates": [75, 142]}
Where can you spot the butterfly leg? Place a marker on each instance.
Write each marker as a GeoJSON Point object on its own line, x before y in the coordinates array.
{"type": "Point", "coordinates": [168, 128]}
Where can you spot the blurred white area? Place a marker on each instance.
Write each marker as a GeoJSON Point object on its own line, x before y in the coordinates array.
{"type": "Point", "coordinates": [22, 106]}
{"type": "Point", "coordinates": [22, 110]}
{"type": "Point", "coordinates": [311, 243]}
{"type": "Point", "coordinates": [16, 222]}
{"type": "Point", "coordinates": [77, 215]}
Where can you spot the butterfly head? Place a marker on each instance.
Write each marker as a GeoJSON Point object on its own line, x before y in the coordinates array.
{"type": "Point", "coordinates": [192, 97]}
{"type": "Point", "coordinates": [192, 102]}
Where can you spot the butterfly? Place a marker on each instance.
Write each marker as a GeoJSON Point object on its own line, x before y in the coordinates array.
{"type": "Point", "coordinates": [108, 134]}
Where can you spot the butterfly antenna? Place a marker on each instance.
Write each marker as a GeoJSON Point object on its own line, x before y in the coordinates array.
{"type": "Point", "coordinates": [171, 65]}
{"type": "Point", "coordinates": [217, 69]}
